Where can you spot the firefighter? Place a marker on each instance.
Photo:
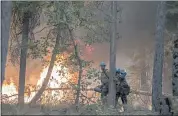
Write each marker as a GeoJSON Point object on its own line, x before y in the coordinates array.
{"type": "Point", "coordinates": [117, 80]}
{"type": "Point", "coordinates": [104, 82]}
{"type": "Point", "coordinates": [122, 87]}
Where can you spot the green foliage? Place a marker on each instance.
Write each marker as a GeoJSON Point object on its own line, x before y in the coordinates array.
{"type": "Point", "coordinates": [93, 21]}
{"type": "Point", "coordinates": [92, 73]}
{"type": "Point", "coordinates": [74, 15]}
{"type": "Point", "coordinates": [34, 9]}
{"type": "Point", "coordinates": [21, 7]}
{"type": "Point", "coordinates": [62, 13]}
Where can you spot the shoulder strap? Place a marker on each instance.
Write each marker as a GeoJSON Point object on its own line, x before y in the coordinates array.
{"type": "Point", "coordinates": [106, 73]}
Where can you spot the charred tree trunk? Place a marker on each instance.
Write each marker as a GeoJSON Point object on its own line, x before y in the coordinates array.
{"type": "Point", "coordinates": [77, 100]}
{"type": "Point", "coordinates": [175, 66]}
{"type": "Point", "coordinates": [158, 58]}
{"type": "Point", "coordinates": [112, 84]}
{"type": "Point", "coordinates": [6, 8]}
{"type": "Point", "coordinates": [50, 69]}
{"type": "Point", "coordinates": [23, 55]}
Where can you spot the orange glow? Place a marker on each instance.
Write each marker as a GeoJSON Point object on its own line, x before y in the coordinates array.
{"type": "Point", "coordinates": [60, 76]}
{"type": "Point", "coordinates": [9, 88]}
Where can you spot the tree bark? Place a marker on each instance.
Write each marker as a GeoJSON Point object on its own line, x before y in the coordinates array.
{"type": "Point", "coordinates": [50, 69]}
{"type": "Point", "coordinates": [112, 84]}
{"type": "Point", "coordinates": [80, 68]}
{"type": "Point", "coordinates": [6, 7]}
{"type": "Point", "coordinates": [23, 55]}
{"type": "Point", "coordinates": [175, 66]}
{"type": "Point", "coordinates": [158, 58]}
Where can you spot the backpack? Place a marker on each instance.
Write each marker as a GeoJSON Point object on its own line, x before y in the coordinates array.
{"type": "Point", "coordinates": [125, 89]}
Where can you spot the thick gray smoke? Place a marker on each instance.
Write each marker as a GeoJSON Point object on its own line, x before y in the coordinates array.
{"type": "Point", "coordinates": [137, 31]}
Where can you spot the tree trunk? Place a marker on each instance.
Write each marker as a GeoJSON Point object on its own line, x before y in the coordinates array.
{"type": "Point", "coordinates": [50, 69]}
{"type": "Point", "coordinates": [112, 84]}
{"type": "Point", "coordinates": [6, 7]}
{"type": "Point", "coordinates": [158, 58]}
{"type": "Point", "coordinates": [23, 55]}
{"type": "Point", "coordinates": [80, 68]}
{"type": "Point", "coordinates": [175, 66]}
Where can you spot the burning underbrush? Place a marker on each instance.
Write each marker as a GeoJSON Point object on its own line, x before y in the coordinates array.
{"type": "Point", "coordinates": [60, 91]}
{"type": "Point", "coordinates": [61, 86]}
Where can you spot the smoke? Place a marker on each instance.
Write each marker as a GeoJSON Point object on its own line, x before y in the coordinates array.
{"type": "Point", "coordinates": [136, 31]}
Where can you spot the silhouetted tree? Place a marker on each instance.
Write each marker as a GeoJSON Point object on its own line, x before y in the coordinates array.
{"type": "Point", "coordinates": [159, 55]}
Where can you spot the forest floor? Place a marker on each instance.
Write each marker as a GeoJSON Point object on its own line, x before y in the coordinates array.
{"type": "Point", "coordinates": [63, 109]}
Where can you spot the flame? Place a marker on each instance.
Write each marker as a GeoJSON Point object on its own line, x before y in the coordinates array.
{"type": "Point", "coordinates": [59, 76]}
{"type": "Point", "coordinates": [56, 79]}
{"type": "Point", "coordinates": [9, 89]}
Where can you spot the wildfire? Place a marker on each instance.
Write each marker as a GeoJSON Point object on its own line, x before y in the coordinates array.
{"type": "Point", "coordinates": [59, 75]}
{"type": "Point", "coordinates": [9, 88]}
{"type": "Point", "coordinates": [56, 79]}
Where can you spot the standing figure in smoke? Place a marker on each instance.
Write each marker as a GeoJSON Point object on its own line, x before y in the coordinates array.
{"type": "Point", "coordinates": [122, 87]}
{"type": "Point", "coordinates": [103, 88]}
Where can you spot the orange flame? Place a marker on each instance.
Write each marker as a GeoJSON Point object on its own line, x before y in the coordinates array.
{"type": "Point", "coordinates": [9, 88]}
